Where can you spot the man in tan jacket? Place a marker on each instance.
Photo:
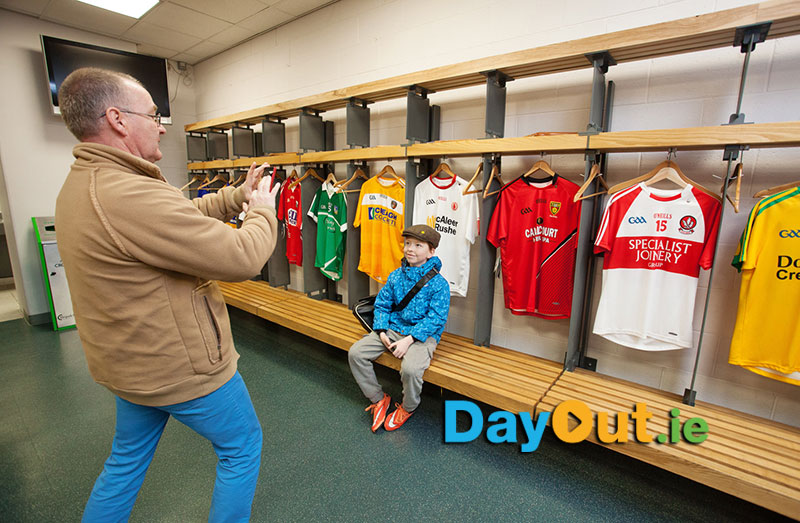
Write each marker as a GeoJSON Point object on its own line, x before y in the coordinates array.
{"type": "Point", "coordinates": [140, 261]}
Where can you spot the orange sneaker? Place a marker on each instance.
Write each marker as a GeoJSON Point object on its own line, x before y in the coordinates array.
{"type": "Point", "coordinates": [379, 410]}
{"type": "Point", "coordinates": [397, 418]}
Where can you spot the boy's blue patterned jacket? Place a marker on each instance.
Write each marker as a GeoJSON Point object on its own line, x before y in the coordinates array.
{"type": "Point", "coordinates": [426, 314]}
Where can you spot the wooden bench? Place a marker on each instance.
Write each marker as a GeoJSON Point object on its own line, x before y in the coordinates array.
{"type": "Point", "coordinates": [749, 457]}
{"type": "Point", "coordinates": [746, 456]}
{"type": "Point", "coordinates": [499, 377]}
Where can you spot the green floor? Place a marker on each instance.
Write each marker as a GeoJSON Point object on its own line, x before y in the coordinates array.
{"type": "Point", "coordinates": [320, 460]}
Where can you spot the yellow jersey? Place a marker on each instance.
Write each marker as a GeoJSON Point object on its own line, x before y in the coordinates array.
{"type": "Point", "coordinates": [380, 215]}
{"type": "Point", "coordinates": [766, 339]}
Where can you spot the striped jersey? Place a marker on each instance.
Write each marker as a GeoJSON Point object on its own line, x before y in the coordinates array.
{"type": "Point", "coordinates": [535, 225]}
{"type": "Point", "coordinates": [655, 242]}
{"type": "Point", "coordinates": [766, 339]}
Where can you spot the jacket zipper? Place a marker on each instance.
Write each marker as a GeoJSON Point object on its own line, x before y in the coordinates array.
{"type": "Point", "coordinates": [216, 328]}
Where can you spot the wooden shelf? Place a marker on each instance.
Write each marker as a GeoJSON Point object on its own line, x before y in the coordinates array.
{"type": "Point", "coordinates": [273, 159]}
{"type": "Point", "coordinates": [781, 134]}
{"type": "Point", "coordinates": [708, 31]}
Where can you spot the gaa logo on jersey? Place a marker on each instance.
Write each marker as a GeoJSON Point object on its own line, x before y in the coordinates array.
{"type": "Point", "coordinates": [555, 207]}
{"type": "Point", "coordinates": [454, 206]}
{"type": "Point", "coordinates": [687, 224]}
{"type": "Point", "coordinates": [788, 233]}
{"type": "Point", "coordinates": [633, 220]}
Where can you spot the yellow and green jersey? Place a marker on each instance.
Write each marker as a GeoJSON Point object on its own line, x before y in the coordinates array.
{"type": "Point", "coordinates": [766, 339]}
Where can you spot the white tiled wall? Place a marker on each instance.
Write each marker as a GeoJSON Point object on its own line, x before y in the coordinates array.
{"type": "Point", "coordinates": [356, 41]}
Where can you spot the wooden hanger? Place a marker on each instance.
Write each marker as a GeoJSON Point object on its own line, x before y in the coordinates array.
{"type": "Point", "coordinates": [240, 179]}
{"type": "Point", "coordinates": [217, 178]}
{"type": "Point", "coordinates": [737, 175]}
{"type": "Point", "coordinates": [309, 172]}
{"type": "Point", "coordinates": [594, 172]}
{"type": "Point", "coordinates": [356, 174]}
{"type": "Point", "coordinates": [389, 171]}
{"type": "Point", "coordinates": [195, 178]}
{"type": "Point", "coordinates": [541, 165]}
{"type": "Point", "coordinates": [776, 189]}
{"type": "Point", "coordinates": [331, 178]}
{"type": "Point", "coordinates": [494, 175]}
{"type": "Point", "coordinates": [666, 170]}
{"type": "Point", "coordinates": [467, 190]}
{"type": "Point", "coordinates": [443, 168]}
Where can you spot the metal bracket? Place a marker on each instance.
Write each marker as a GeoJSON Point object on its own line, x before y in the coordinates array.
{"type": "Point", "coordinates": [731, 152]}
{"type": "Point", "coordinates": [588, 363]}
{"type": "Point", "coordinates": [689, 396]}
{"type": "Point", "coordinates": [750, 35]}
{"type": "Point", "coordinates": [495, 103]}
{"type": "Point", "coordinates": [601, 59]}
{"type": "Point", "coordinates": [422, 119]}
{"type": "Point", "coordinates": [357, 119]}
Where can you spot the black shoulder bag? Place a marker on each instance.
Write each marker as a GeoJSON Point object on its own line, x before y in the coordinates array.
{"type": "Point", "coordinates": [364, 310]}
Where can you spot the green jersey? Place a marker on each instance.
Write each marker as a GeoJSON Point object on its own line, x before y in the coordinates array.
{"type": "Point", "coordinates": [329, 211]}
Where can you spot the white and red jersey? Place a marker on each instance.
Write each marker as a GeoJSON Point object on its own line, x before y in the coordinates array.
{"type": "Point", "coordinates": [655, 242]}
{"type": "Point", "coordinates": [535, 225]}
{"type": "Point", "coordinates": [441, 204]}
{"type": "Point", "coordinates": [289, 210]}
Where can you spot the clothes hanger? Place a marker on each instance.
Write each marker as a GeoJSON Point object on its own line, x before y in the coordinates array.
{"type": "Point", "coordinates": [671, 171]}
{"type": "Point", "coordinates": [356, 174]}
{"type": "Point", "coordinates": [776, 189]}
{"type": "Point", "coordinates": [494, 175]}
{"type": "Point", "coordinates": [594, 172]}
{"type": "Point", "coordinates": [217, 178]}
{"type": "Point", "coordinates": [443, 168]}
{"type": "Point", "coordinates": [309, 172]}
{"type": "Point", "coordinates": [195, 178]}
{"type": "Point", "coordinates": [542, 165]}
{"type": "Point", "coordinates": [389, 171]}
{"type": "Point", "coordinates": [737, 175]}
{"type": "Point", "coordinates": [240, 179]}
{"type": "Point", "coordinates": [331, 178]}
{"type": "Point", "coordinates": [467, 190]}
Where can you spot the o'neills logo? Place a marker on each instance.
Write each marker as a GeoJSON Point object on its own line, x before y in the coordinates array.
{"type": "Point", "coordinates": [555, 207]}
{"type": "Point", "coordinates": [687, 224]}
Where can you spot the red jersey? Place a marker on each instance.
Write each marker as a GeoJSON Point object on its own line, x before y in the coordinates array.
{"type": "Point", "coordinates": [289, 210]}
{"type": "Point", "coordinates": [535, 225]}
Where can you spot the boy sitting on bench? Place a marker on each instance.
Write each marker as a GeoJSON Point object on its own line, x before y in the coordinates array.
{"type": "Point", "coordinates": [410, 334]}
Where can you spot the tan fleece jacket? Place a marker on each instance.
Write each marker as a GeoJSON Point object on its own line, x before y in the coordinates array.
{"type": "Point", "coordinates": [138, 257]}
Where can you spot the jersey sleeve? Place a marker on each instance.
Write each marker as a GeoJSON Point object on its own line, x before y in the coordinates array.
{"type": "Point", "coordinates": [357, 219]}
{"type": "Point", "coordinates": [282, 202]}
{"type": "Point", "coordinates": [711, 215]}
{"type": "Point", "coordinates": [743, 258]}
{"type": "Point", "coordinates": [342, 217]}
{"type": "Point", "coordinates": [418, 216]}
{"type": "Point", "coordinates": [498, 227]}
{"type": "Point", "coordinates": [473, 224]}
{"type": "Point", "coordinates": [314, 210]}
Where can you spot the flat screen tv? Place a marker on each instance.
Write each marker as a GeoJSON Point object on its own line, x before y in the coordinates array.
{"type": "Point", "coordinates": [61, 57]}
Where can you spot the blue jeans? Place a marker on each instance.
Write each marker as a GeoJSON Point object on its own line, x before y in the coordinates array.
{"type": "Point", "coordinates": [225, 417]}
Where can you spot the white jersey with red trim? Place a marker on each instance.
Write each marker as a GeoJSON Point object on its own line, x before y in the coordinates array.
{"type": "Point", "coordinates": [655, 242]}
{"type": "Point", "coordinates": [441, 204]}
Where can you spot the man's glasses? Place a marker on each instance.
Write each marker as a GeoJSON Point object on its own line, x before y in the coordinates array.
{"type": "Point", "coordinates": [156, 117]}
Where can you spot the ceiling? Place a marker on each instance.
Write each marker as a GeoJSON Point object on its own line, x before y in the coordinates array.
{"type": "Point", "coordinates": [185, 30]}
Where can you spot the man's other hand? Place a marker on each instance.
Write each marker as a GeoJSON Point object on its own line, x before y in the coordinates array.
{"type": "Point", "coordinates": [253, 178]}
{"type": "Point", "coordinates": [263, 194]}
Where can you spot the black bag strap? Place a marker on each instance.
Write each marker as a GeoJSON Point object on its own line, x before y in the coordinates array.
{"type": "Point", "coordinates": [415, 289]}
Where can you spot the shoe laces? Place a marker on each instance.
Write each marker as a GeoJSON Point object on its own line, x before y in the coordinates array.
{"type": "Point", "coordinates": [402, 413]}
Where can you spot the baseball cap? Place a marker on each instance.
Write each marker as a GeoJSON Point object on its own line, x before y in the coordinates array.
{"type": "Point", "coordinates": [424, 233]}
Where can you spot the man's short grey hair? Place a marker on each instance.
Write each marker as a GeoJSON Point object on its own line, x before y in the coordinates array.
{"type": "Point", "coordinates": [86, 93]}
